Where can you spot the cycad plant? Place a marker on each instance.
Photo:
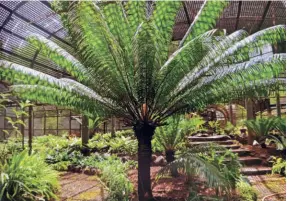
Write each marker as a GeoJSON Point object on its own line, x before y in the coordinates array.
{"type": "Point", "coordinates": [279, 138]}
{"type": "Point", "coordinates": [172, 136]}
{"type": "Point", "coordinates": [261, 127]}
{"type": "Point", "coordinates": [121, 66]}
{"type": "Point", "coordinates": [219, 168]}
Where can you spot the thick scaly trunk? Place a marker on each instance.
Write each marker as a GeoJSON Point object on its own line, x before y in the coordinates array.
{"type": "Point", "coordinates": [169, 155]}
{"type": "Point", "coordinates": [144, 132]}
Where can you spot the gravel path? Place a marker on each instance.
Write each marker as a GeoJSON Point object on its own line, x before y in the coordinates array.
{"type": "Point", "coordinates": [267, 185]}
{"type": "Point", "coordinates": [80, 187]}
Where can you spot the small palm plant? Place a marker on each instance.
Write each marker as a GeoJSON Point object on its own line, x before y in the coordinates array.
{"type": "Point", "coordinates": [121, 65]}
{"type": "Point", "coordinates": [279, 138]}
{"type": "Point", "coordinates": [172, 136]}
{"type": "Point", "coordinates": [219, 168]}
{"type": "Point", "coordinates": [261, 128]}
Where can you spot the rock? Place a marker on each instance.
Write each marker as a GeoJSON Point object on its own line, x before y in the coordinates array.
{"type": "Point", "coordinates": [78, 169]}
{"type": "Point", "coordinates": [93, 171]}
{"type": "Point", "coordinates": [164, 162]}
{"type": "Point", "coordinates": [153, 157]}
{"type": "Point", "coordinates": [255, 143]}
{"type": "Point", "coordinates": [159, 161]}
{"type": "Point", "coordinates": [87, 171]}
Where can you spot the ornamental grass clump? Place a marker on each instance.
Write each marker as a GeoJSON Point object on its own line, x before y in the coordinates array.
{"type": "Point", "coordinates": [27, 178]}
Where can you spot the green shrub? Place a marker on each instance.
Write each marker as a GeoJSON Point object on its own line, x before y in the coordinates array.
{"type": "Point", "coordinates": [229, 128]}
{"type": "Point", "coordinates": [61, 166]}
{"type": "Point", "coordinates": [55, 142]}
{"type": "Point", "coordinates": [122, 143]}
{"type": "Point", "coordinates": [226, 162]}
{"type": "Point", "coordinates": [245, 191]}
{"type": "Point", "coordinates": [113, 174]}
{"type": "Point", "coordinates": [279, 166]}
{"type": "Point", "coordinates": [26, 177]}
{"type": "Point", "coordinates": [125, 133]}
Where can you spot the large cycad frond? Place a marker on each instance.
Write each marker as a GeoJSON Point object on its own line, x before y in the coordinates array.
{"type": "Point", "coordinates": [122, 61]}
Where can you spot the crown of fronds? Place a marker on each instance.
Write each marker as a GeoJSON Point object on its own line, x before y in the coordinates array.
{"type": "Point", "coordinates": [122, 64]}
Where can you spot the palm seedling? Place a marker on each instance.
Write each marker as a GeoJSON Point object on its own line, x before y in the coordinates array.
{"type": "Point", "coordinates": [121, 66]}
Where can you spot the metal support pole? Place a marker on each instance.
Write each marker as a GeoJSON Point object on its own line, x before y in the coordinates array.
{"type": "Point", "coordinates": [70, 124]}
{"type": "Point", "coordinates": [22, 129]}
{"type": "Point", "coordinates": [45, 123]}
{"type": "Point", "coordinates": [278, 104]}
{"type": "Point", "coordinates": [113, 132]}
{"type": "Point", "coordinates": [57, 122]}
{"type": "Point", "coordinates": [85, 130]}
{"type": "Point", "coordinates": [30, 132]}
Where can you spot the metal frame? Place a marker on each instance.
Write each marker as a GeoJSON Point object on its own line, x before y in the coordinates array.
{"type": "Point", "coordinates": [187, 20]}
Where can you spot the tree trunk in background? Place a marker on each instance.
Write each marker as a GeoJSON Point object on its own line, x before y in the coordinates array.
{"type": "Point", "coordinates": [250, 115]}
{"type": "Point", "coordinates": [144, 132]}
{"type": "Point", "coordinates": [113, 132]}
{"type": "Point", "coordinates": [231, 114]}
{"type": "Point", "coordinates": [30, 130]}
{"type": "Point", "coordinates": [23, 131]}
{"type": "Point", "coordinates": [278, 104]}
{"type": "Point", "coordinates": [169, 155]}
{"type": "Point", "coordinates": [85, 130]}
{"type": "Point", "coordinates": [269, 112]}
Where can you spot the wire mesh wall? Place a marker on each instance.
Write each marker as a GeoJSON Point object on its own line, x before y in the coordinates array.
{"type": "Point", "coordinates": [53, 120]}
{"type": "Point", "coordinates": [45, 120]}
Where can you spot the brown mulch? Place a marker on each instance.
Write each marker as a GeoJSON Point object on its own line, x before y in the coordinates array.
{"type": "Point", "coordinates": [165, 188]}
{"type": "Point", "coordinates": [171, 188]}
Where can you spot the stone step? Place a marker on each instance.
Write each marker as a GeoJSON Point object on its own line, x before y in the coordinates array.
{"type": "Point", "coordinates": [256, 170]}
{"type": "Point", "coordinates": [214, 138]}
{"type": "Point", "coordinates": [240, 152]}
{"type": "Point", "coordinates": [232, 146]}
{"type": "Point", "coordinates": [249, 160]}
{"type": "Point", "coordinates": [227, 142]}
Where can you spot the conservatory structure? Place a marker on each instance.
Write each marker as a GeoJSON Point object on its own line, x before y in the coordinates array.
{"type": "Point", "coordinates": [143, 100]}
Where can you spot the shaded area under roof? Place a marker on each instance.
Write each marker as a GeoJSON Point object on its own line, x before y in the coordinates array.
{"type": "Point", "coordinates": [19, 18]}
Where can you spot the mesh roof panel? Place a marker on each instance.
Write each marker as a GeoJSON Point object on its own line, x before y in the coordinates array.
{"type": "Point", "coordinates": [19, 18]}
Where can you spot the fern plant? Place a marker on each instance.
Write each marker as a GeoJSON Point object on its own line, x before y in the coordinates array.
{"type": "Point", "coordinates": [120, 65]}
